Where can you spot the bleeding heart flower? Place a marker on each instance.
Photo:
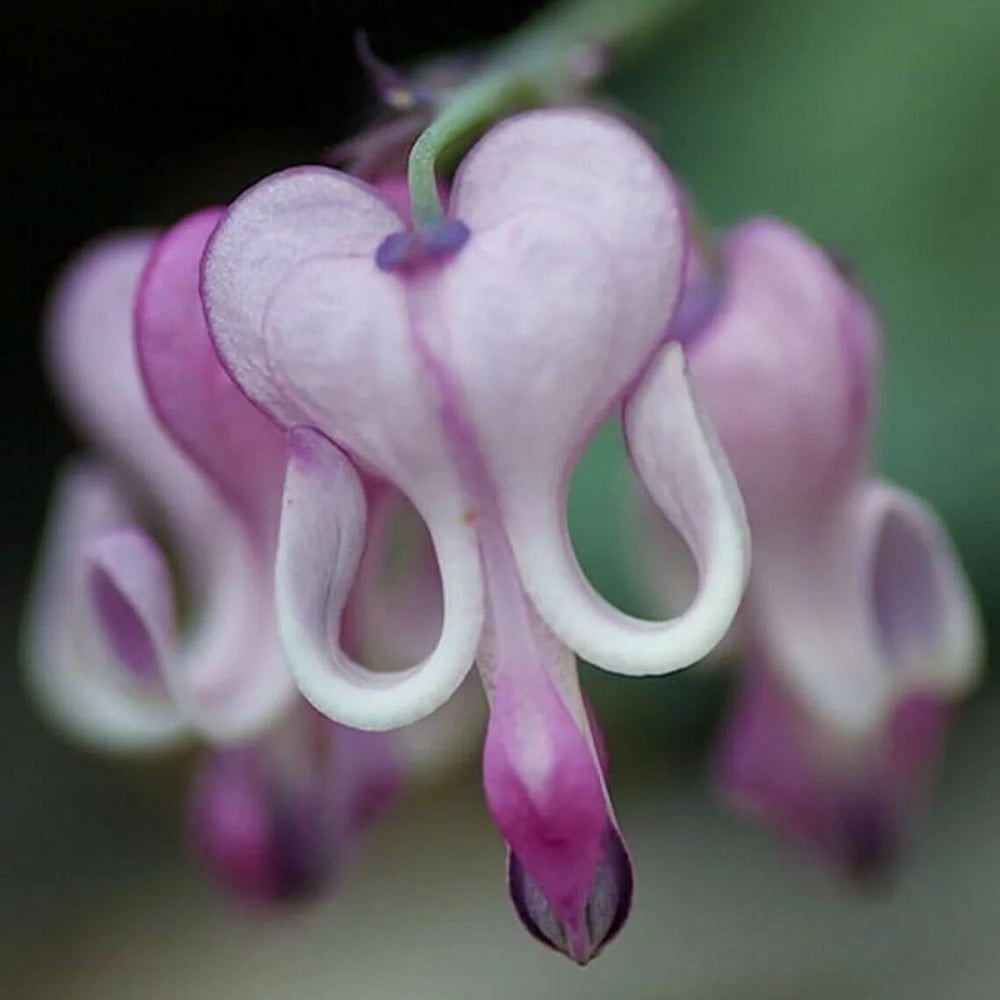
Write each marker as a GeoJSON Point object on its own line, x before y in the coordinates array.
{"type": "Point", "coordinates": [468, 364]}
{"type": "Point", "coordinates": [858, 618]}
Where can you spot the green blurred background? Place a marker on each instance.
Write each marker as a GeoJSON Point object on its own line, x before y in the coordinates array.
{"type": "Point", "coordinates": [870, 124]}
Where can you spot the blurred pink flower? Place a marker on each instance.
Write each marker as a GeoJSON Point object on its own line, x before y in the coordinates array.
{"type": "Point", "coordinates": [858, 625]}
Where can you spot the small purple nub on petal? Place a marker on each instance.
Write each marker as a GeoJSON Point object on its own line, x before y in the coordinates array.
{"type": "Point", "coordinates": [409, 251]}
{"type": "Point", "coordinates": [606, 910]}
{"type": "Point", "coordinates": [447, 238]}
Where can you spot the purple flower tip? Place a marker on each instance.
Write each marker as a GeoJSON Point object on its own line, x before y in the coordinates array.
{"type": "Point", "coordinates": [869, 841]}
{"type": "Point", "coordinates": [412, 250]}
{"type": "Point", "coordinates": [603, 915]}
{"type": "Point", "coordinates": [261, 843]}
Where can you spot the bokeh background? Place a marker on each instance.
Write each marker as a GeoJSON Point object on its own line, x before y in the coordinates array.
{"type": "Point", "coordinates": [873, 125]}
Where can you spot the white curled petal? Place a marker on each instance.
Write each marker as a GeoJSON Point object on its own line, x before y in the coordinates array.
{"type": "Point", "coordinates": [320, 545]}
{"type": "Point", "coordinates": [925, 618]}
{"type": "Point", "coordinates": [230, 674]}
{"type": "Point", "coordinates": [683, 467]}
{"type": "Point", "coordinates": [866, 610]}
{"type": "Point", "coordinates": [225, 672]}
{"type": "Point", "coordinates": [67, 666]}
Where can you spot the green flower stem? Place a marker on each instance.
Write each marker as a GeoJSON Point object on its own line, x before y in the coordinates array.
{"type": "Point", "coordinates": [538, 63]}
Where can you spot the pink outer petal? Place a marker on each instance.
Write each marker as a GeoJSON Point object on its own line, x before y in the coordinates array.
{"type": "Point", "coordinates": [234, 443]}
{"type": "Point", "coordinates": [321, 538]}
{"type": "Point", "coordinates": [549, 313]}
{"type": "Point", "coordinates": [269, 232]}
{"type": "Point", "coordinates": [591, 167]}
{"type": "Point", "coordinates": [847, 804]}
{"type": "Point", "coordinates": [93, 368]}
{"type": "Point", "coordinates": [785, 370]}
{"type": "Point", "coordinates": [318, 335]}
{"type": "Point", "coordinates": [65, 655]}
{"type": "Point", "coordinates": [338, 332]}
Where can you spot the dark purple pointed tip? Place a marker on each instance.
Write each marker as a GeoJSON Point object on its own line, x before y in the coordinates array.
{"type": "Point", "coordinates": [606, 910]}
{"type": "Point", "coordinates": [261, 843]}
{"type": "Point", "coordinates": [407, 252]}
{"type": "Point", "coordinates": [870, 842]}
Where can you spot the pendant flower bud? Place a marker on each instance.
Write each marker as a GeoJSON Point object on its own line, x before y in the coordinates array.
{"type": "Point", "coordinates": [470, 372]}
{"type": "Point", "coordinates": [858, 618]}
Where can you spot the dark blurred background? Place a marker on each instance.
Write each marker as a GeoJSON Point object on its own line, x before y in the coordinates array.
{"type": "Point", "coordinates": [871, 124]}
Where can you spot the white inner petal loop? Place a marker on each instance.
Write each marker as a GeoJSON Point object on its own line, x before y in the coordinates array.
{"type": "Point", "coordinates": [816, 608]}
{"type": "Point", "coordinates": [68, 672]}
{"type": "Point", "coordinates": [320, 545]}
{"type": "Point", "coordinates": [681, 464]}
{"type": "Point", "coordinates": [921, 608]}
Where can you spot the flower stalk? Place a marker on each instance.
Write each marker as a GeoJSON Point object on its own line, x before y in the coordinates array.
{"type": "Point", "coordinates": [552, 57]}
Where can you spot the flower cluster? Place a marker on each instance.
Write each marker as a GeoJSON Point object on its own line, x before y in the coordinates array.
{"type": "Point", "coordinates": [277, 386]}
